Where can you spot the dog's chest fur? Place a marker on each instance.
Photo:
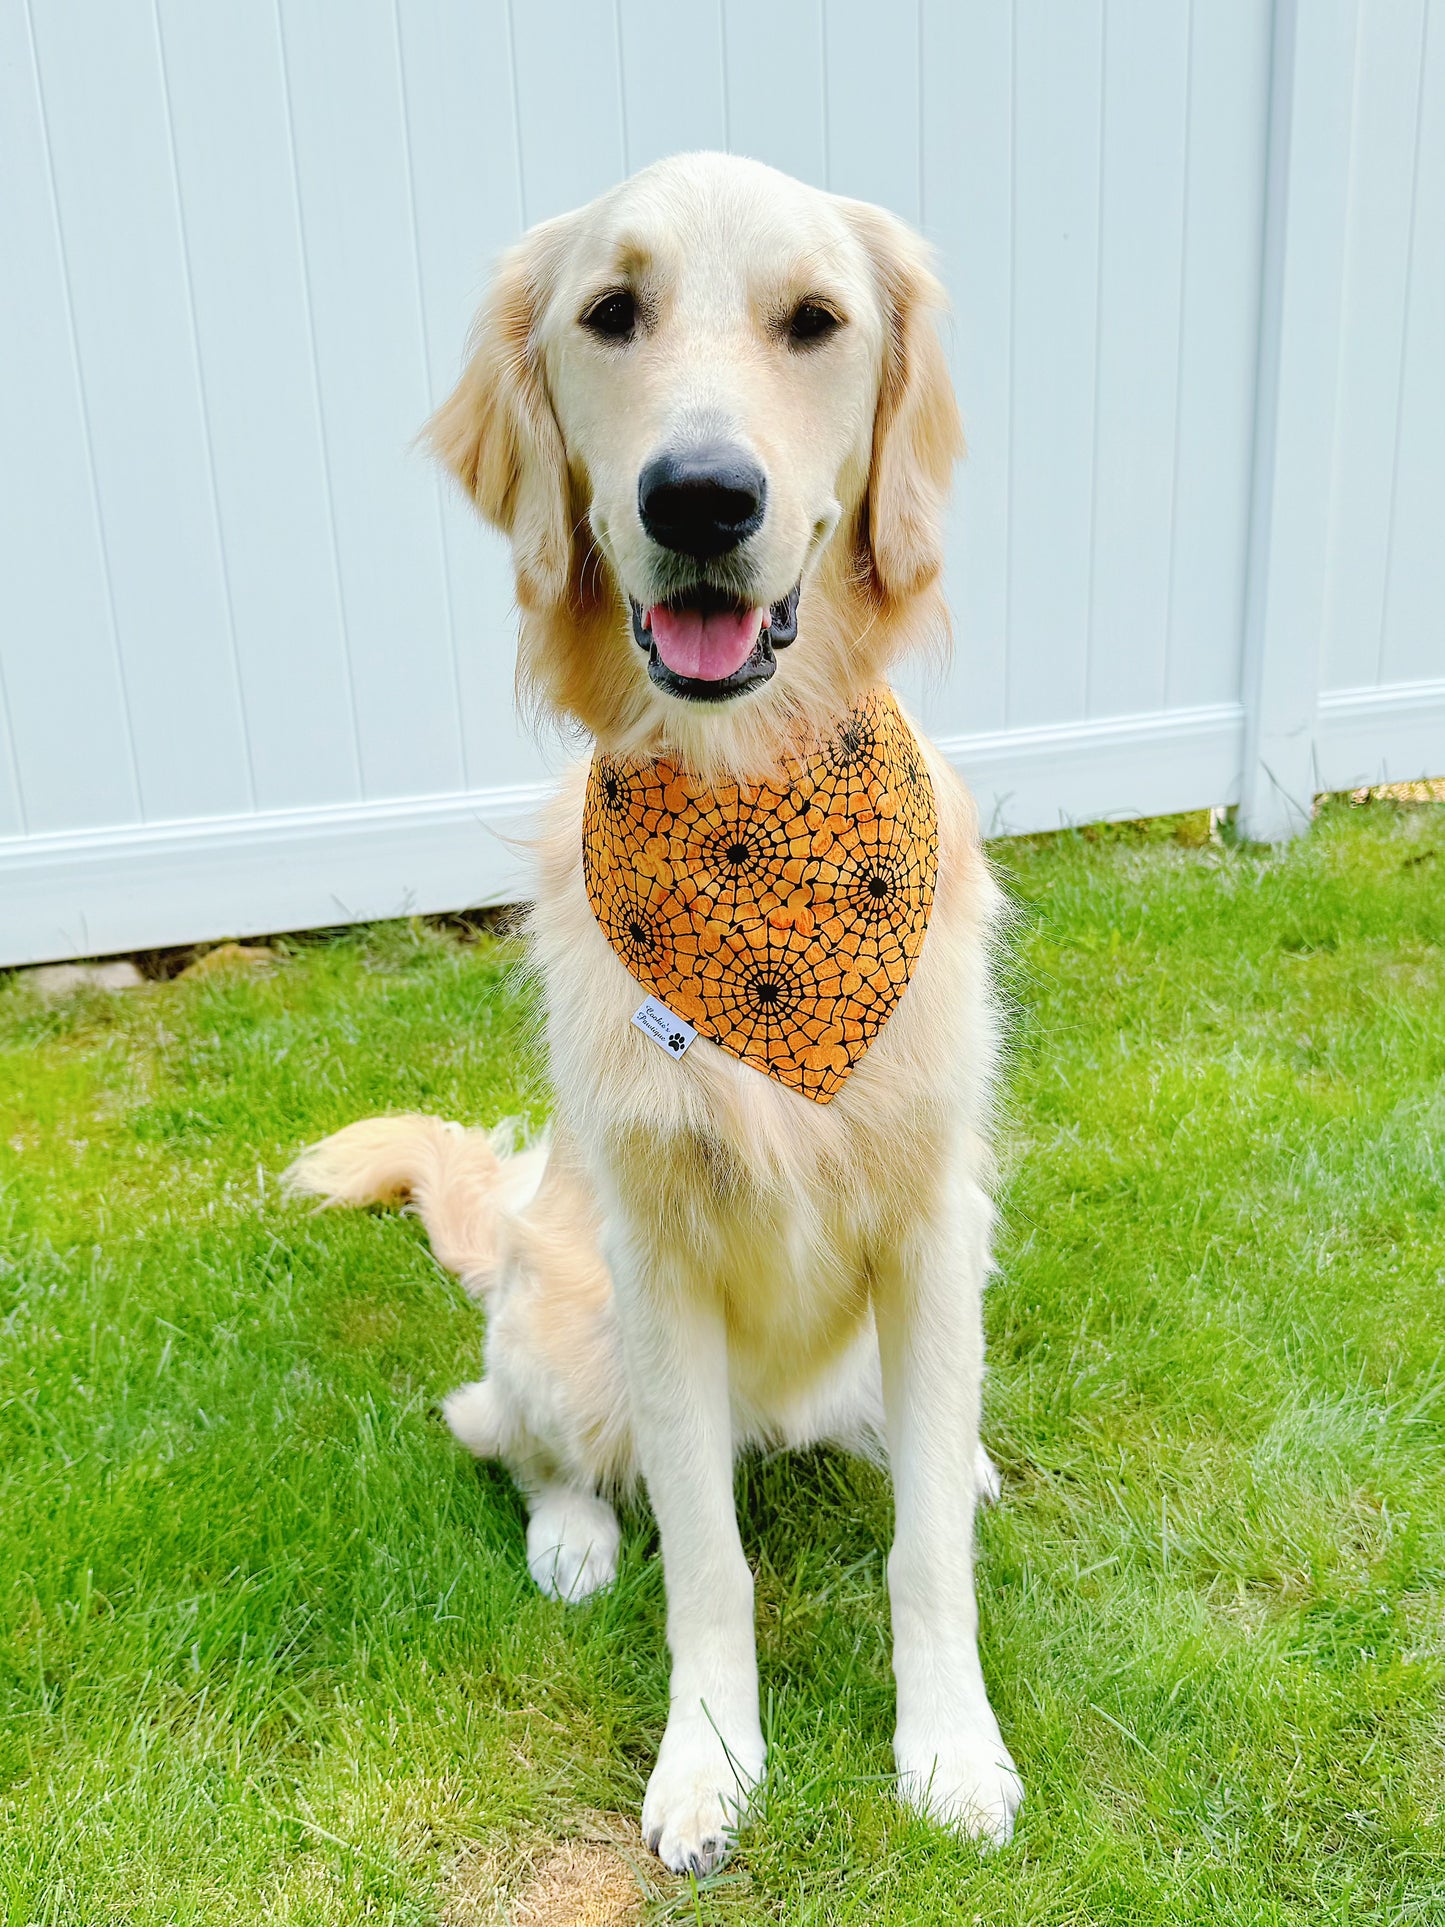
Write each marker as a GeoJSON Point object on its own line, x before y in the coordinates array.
{"type": "Point", "coordinates": [725, 1180]}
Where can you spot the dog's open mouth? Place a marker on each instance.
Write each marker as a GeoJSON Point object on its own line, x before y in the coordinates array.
{"type": "Point", "coordinates": [708, 647]}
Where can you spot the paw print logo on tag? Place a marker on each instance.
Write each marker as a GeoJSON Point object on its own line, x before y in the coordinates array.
{"type": "Point", "coordinates": [664, 1027]}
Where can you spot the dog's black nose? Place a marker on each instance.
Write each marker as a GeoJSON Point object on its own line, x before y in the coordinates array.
{"type": "Point", "coordinates": [701, 501]}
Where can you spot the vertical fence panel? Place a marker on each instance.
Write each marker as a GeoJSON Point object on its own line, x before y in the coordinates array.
{"type": "Point", "coordinates": [467, 201]}
{"type": "Point", "coordinates": [64, 737]}
{"type": "Point", "coordinates": [115, 185]}
{"type": "Point", "coordinates": [870, 57]}
{"type": "Point", "coordinates": [967, 134]}
{"type": "Point", "coordinates": [1228, 113]}
{"type": "Point", "coordinates": [1413, 639]}
{"type": "Point", "coordinates": [775, 84]}
{"type": "Point", "coordinates": [674, 82]}
{"type": "Point", "coordinates": [568, 77]}
{"type": "Point", "coordinates": [1057, 110]}
{"type": "Point", "coordinates": [1381, 710]}
{"type": "Point", "coordinates": [226, 100]}
{"type": "Point", "coordinates": [1384, 145]}
{"type": "Point", "coordinates": [1310, 126]}
{"type": "Point", "coordinates": [354, 185]}
{"type": "Point", "coordinates": [1141, 202]}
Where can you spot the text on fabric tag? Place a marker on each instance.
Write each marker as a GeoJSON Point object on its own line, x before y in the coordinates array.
{"type": "Point", "coordinates": [662, 1027]}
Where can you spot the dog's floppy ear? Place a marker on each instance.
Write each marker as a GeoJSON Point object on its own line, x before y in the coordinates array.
{"type": "Point", "coordinates": [917, 434]}
{"type": "Point", "coordinates": [497, 432]}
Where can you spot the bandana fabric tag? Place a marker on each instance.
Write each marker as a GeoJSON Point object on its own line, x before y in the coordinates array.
{"type": "Point", "coordinates": [659, 1023]}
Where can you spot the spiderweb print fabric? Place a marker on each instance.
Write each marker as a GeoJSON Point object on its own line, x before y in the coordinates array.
{"type": "Point", "coordinates": [781, 919]}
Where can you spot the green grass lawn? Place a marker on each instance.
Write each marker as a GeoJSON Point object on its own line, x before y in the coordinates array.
{"type": "Point", "coordinates": [268, 1648]}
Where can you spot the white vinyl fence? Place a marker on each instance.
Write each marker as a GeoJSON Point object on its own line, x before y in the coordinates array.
{"type": "Point", "coordinates": [255, 661]}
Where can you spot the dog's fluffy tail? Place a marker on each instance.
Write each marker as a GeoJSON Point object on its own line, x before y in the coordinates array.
{"type": "Point", "coordinates": [462, 1184]}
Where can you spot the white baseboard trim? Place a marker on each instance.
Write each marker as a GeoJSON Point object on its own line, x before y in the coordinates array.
{"type": "Point", "coordinates": [1115, 767]}
{"type": "Point", "coordinates": [93, 893]}
{"type": "Point", "coordinates": [1392, 734]}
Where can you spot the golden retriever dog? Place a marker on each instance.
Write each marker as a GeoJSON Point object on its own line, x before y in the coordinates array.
{"type": "Point", "coordinates": [712, 414]}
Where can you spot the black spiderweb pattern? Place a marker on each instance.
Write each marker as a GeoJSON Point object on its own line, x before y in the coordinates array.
{"type": "Point", "coordinates": [782, 920]}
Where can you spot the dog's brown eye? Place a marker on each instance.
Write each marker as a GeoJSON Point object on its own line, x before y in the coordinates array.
{"type": "Point", "coordinates": [811, 321]}
{"type": "Point", "coordinates": [613, 316]}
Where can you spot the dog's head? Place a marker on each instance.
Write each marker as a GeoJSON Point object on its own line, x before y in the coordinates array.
{"type": "Point", "coordinates": [712, 414]}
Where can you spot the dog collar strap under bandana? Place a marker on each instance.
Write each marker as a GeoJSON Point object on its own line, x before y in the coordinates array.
{"type": "Point", "coordinates": [781, 919]}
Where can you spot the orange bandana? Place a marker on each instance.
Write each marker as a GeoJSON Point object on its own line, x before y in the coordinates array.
{"type": "Point", "coordinates": [781, 919]}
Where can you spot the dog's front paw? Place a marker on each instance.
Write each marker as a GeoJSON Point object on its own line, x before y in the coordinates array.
{"type": "Point", "coordinates": [965, 1780]}
{"type": "Point", "coordinates": [698, 1795]}
{"type": "Point", "coordinates": [572, 1541]}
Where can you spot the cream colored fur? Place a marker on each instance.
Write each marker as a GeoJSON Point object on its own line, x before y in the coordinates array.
{"type": "Point", "coordinates": [703, 1259]}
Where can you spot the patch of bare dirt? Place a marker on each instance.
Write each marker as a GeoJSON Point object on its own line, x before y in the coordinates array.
{"type": "Point", "coordinates": [566, 1883]}
{"type": "Point", "coordinates": [232, 956]}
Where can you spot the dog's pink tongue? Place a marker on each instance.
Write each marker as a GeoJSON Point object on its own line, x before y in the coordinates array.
{"type": "Point", "coordinates": [705, 647]}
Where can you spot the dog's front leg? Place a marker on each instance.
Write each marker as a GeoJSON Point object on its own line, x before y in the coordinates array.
{"type": "Point", "coordinates": [952, 1762]}
{"type": "Point", "coordinates": [712, 1753]}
